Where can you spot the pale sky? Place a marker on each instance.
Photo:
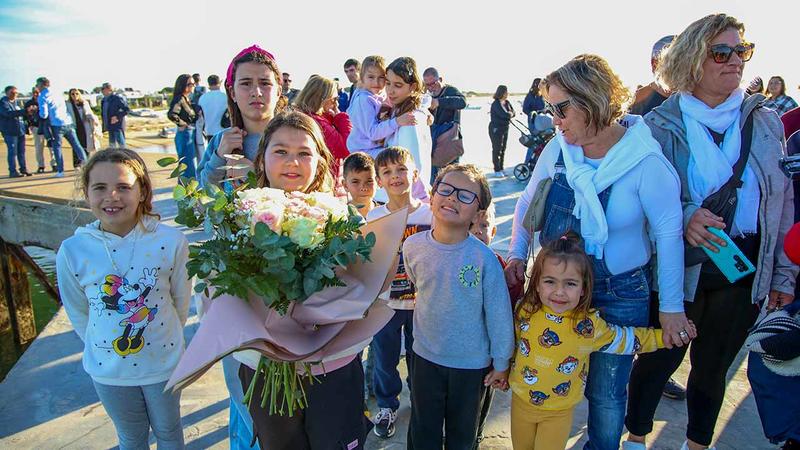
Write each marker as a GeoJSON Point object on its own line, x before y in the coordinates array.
{"type": "Point", "coordinates": [476, 45]}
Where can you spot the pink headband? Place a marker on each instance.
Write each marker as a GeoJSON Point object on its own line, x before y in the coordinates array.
{"type": "Point", "coordinates": [252, 49]}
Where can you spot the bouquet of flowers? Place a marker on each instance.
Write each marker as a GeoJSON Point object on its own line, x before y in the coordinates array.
{"type": "Point", "coordinates": [278, 247]}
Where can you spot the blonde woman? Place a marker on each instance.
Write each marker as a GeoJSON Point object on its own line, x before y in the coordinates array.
{"type": "Point", "coordinates": [704, 128]}
{"type": "Point", "coordinates": [612, 185]}
{"type": "Point", "coordinates": [320, 100]}
{"type": "Point", "coordinates": [87, 125]}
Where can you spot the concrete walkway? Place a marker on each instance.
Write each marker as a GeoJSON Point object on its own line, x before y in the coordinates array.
{"type": "Point", "coordinates": [48, 401]}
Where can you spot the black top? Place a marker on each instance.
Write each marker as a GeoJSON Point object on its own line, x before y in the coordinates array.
{"type": "Point", "coordinates": [500, 117]}
{"type": "Point", "coordinates": [451, 102]}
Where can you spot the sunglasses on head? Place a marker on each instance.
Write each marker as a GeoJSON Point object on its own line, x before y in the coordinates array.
{"type": "Point", "coordinates": [557, 109]}
{"type": "Point", "coordinates": [464, 196]}
{"type": "Point", "coordinates": [721, 53]}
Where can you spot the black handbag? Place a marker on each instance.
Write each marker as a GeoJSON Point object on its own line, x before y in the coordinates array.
{"type": "Point", "coordinates": [723, 202]}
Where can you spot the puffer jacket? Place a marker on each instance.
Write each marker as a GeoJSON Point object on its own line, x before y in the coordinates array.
{"type": "Point", "coordinates": [776, 209]}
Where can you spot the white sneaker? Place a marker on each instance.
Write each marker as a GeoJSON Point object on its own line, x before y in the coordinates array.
{"type": "Point", "coordinates": [685, 446]}
{"type": "Point", "coordinates": [499, 174]}
{"type": "Point", "coordinates": [60, 175]}
{"type": "Point", "coordinates": [630, 445]}
{"type": "Point", "coordinates": [384, 423]}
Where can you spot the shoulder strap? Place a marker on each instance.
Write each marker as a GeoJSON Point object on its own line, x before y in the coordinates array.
{"type": "Point", "coordinates": [744, 152]}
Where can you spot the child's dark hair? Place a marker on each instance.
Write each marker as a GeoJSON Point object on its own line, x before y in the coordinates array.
{"type": "Point", "coordinates": [358, 162]}
{"type": "Point", "coordinates": [297, 120]}
{"type": "Point", "coordinates": [394, 155]}
{"type": "Point", "coordinates": [133, 161]}
{"type": "Point", "coordinates": [566, 249]}
{"type": "Point", "coordinates": [474, 174]}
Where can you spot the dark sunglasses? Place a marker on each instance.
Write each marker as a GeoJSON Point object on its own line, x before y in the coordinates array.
{"type": "Point", "coordinates": [464, 196]}
{"type": "Point", "coordinates": [557, 109]}
{"type": "Point", "coordinates": [721, 53]}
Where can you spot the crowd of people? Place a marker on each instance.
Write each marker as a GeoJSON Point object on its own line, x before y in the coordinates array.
{"type": "Point", "coordinates": [619, 206]}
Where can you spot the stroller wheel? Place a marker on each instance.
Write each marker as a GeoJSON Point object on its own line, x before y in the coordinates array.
{"type": "Point", "coordinates": [522, 172]}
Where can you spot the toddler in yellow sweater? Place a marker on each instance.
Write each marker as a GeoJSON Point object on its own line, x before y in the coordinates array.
{"type": "Point", "coordinates": [556, 331]}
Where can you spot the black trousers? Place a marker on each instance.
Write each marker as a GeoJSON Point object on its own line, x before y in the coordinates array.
{"type": "Point", "coordinates": [722, 317]}
{"type": "Point", "coordinates": [443, 396]}
{"type": "Point", "coordinates": [333, 420]}
{"type": "Point", "coordinates": [499, 137]}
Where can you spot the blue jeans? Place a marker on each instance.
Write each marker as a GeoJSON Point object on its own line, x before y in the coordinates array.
{"type": "Point", "coordinates": [67, 132]}
{"type": "Point", "coordinates": [135, 409]}
{"type": "Point", "coordinates": [622, 299]}
{"type": "Point", "coordinates": [184, 145]}
{"type": "Point", "coordinates": [16, 153]}
{"type": "Point", "coordinates": [240, 424]}
{"type": "Point", "coordinates": [386, 345]}
{"type": "Point", "coordinates": [116, 138]}
{"type": "Point", "coordinates": [779, 418]}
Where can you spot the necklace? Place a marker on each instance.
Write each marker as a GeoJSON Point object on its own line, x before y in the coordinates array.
{"type": "Point", "coordinates": [110, 258]}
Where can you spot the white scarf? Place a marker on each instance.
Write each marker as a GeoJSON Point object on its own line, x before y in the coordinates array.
{"type": "Point", "coordinates": [586, 181]}
{"type": "Point", "coordinates": [710, 166]}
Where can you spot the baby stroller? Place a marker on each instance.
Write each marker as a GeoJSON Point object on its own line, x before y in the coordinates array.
{"type": "Point", "coordinates": [534, 139]}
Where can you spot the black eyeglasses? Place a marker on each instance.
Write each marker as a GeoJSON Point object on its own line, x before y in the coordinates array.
{"type": "Point", "coordinates": [557, 109]}
{"type": "Point", "coordinates": [721, 53]}
{"type": "Point", "coordinates": [464, 196]}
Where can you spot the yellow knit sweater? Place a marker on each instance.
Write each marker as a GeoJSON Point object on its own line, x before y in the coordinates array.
{"type": "Point", "coordinates": [552, 356]}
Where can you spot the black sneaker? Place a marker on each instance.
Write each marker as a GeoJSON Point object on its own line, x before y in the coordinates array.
{"type": "Point", "coordinates": [674, 390]}
{"type": "Point", "coordinates": [384, 423]}
{"type": "Point", "coordinates": [40, 170]}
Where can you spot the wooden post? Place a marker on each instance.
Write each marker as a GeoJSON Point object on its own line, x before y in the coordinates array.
{"type": "Point", "coordinates": [15, 293]}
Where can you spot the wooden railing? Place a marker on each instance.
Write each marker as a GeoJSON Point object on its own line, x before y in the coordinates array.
{"type": "Point", "coordinates": [29, 222]}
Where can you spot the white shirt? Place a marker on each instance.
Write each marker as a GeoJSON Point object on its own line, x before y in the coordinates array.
{"type": "Point", "coordinates": [214, 103]}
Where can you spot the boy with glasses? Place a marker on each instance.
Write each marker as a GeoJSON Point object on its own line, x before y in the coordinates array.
{"type": "Point", "coordinates": [463, 331]}
{"type": "Point", "coordinates": [396, 174]}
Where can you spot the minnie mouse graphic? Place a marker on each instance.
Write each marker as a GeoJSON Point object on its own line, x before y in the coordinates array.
{"type": "Point", "coordinates": [117, 294]}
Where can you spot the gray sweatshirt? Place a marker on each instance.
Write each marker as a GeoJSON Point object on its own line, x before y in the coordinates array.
{"type": "Point", "coordinates": [463, 314]}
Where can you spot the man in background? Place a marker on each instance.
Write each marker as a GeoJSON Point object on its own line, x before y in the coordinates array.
{"type": "Point", "coordinates": [287, 90]}
{"type": "Point", "coordinates": [113, 108]}
{"type": "Point", "coordinates": [351, 70]}
{"type": "Point", "coordinates": [213, 103]}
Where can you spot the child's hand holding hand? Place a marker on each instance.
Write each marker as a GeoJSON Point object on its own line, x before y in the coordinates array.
{"type": "Point", "coordinates": [497, 379]}
{"type": "Point", "coordinates": [406, 119]}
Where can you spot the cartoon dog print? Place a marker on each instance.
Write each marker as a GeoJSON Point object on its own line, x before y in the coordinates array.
{"type": "Point", "coordinates": [524, 325]}
{"type": "Point", "coordinates": [568, 365]}
{"type": "Point", "coordinates": [530, 376]}
{"type": "Point", "coordinates": [553, 318]}
{"type": "Point", "coordinates": [549, 338]}
{"type": "Point", "coordinates": [585, 328]}
{"type": "Point", "coordinates": [128, 300]}
{"type": "Point", "coordinates": [538, 397]}
{"type": "Point", "coordinates": [524, 347]}
{"type": "Point", "coordinates": [562, 390]}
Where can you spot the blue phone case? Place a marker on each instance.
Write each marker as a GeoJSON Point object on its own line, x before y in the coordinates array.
{"type": "Point", "coordinates": [730, 260]}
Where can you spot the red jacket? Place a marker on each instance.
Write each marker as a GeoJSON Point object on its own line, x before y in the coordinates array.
{"type": "Point", "coordinates": [335, 130]}
{"type": "Point", "coordinates": [791, 121]}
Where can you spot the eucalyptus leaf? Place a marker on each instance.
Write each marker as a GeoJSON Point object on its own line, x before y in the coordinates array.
{"type": "Point", "coordinates": [167, 161]}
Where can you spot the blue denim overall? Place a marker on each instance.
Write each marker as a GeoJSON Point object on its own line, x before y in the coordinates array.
{"type": "Point", "coordinates": [622, 299]}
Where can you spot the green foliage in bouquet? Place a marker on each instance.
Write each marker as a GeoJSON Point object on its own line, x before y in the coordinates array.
{"type": "Point", "coordinates": [241, 258]}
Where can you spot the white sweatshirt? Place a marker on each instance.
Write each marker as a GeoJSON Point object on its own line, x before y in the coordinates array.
{"type": "Point", "coordinates": [644, 203]}
{"type": "Point", "coordinates": [130, 322]}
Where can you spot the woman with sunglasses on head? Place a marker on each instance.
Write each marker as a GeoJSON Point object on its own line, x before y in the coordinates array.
{"type": "Point", "coordinates": [705, 129]}
{"type": "Point", "coordinates": [778, 100]}
{"type": "Point", "coordinates": [87, 125]}
{"type": "Point", "coordinates": [611, 184]}
{"type": "Point", "coordinates": [183, 115]}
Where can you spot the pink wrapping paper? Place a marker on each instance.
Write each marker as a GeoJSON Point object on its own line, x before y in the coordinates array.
{"type": "Point", "coordinates": [327, 323]}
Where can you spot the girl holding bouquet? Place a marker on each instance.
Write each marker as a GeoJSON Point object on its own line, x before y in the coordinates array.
{"type": "Point", "coordinates": [292, 156]}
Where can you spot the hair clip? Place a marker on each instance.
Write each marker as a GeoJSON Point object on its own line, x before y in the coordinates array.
{"type": "Point", "coordinates": [563, 237]}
